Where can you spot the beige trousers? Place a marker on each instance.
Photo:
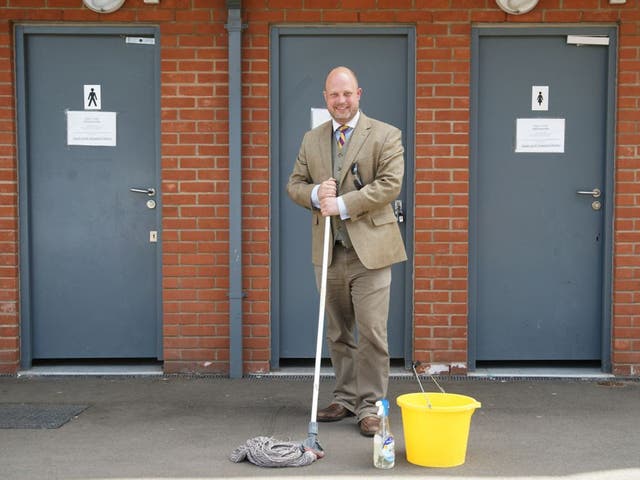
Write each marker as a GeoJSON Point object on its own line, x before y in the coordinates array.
{"type": "Point", "coordinates": [357, 298]}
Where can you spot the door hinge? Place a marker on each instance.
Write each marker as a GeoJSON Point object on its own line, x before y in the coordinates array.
{"type": "Point", "coordinates": [141, 40]}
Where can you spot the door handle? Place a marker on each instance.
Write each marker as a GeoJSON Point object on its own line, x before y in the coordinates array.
{"type": "Point", "coordinates": [595, 193]}
{"type": "Point", "coordinates": [149, 191]}
{"type": "Point", "coordinates": [398, 210]}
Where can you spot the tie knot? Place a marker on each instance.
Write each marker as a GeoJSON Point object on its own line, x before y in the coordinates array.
{"type": "Point", "coordinates": [343, 128]}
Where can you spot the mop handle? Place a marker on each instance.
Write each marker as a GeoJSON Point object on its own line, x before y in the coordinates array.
{"type": "Point", "coordinates": [323, 296]}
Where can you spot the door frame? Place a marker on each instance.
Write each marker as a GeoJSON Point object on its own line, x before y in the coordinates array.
{"type": "Point", "coordinates": [609, 169]}
{"type": "Point", "coordinates": [276, 196]}
{"type": "Point", "coordinates": [21, 32]}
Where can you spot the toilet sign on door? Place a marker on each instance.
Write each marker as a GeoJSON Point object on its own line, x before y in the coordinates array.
{"type": "Point", "coordinates": [540, 98]}
{"type": "Point", "coordinates": [92, 97]}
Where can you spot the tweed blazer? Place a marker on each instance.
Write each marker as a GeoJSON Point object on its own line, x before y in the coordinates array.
{"type": "Point", "coordinates": [373, 229]}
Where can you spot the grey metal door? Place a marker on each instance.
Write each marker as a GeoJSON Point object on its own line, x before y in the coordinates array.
{"type": "Point", "coordinates": [538, 222]}
{"type": "Point", "coordinates": [382, 59]}
{"type": "Point", "coordinates": [90, 262]}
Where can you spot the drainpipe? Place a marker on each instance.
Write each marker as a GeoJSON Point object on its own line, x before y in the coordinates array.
{"type": "Point", "coordinates": [234, 27]}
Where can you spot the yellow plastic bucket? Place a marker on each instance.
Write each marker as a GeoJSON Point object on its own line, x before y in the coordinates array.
{"type": "Point", "coordinates": [436, 436]}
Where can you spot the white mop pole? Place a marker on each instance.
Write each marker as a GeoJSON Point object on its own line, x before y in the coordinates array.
{"type": "Point", "coordinates": [323, 296]}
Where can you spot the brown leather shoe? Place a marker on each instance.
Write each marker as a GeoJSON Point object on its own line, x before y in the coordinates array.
{"type": "Point", "coordinates": [333, 413]}
{"type": "Point", "coordinates": [369, 425]}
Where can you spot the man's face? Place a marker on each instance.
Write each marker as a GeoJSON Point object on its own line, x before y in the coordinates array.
{"type": "Point", "coordinates": [342, 96]}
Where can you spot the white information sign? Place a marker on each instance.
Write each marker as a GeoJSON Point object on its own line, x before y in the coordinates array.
{"type": "Point", "coordinates": [319, 116]}
{"type": "Point", "coordinates": [540, 135]}
{"type": "Point", "coordinates": [89, 128]}
{"type": "Point", "coordinates": [92, 97]}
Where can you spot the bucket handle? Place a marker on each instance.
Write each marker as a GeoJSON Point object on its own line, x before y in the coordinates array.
{"type": "Point", "coordinates": [415, 364]}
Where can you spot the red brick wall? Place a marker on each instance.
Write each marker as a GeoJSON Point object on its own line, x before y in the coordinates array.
{"type": "Point", "coordinates": [626, 294]}
{"type": "Point", "coordinates": [195, 166]}
{"type": "Point", "coordinates": [9, 331]}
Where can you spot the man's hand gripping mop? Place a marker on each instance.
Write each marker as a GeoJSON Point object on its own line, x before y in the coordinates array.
{"type": "Point", "coordinates": [267, 452]}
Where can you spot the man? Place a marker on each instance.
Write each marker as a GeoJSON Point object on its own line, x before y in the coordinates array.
{"type": "Point", "coordinates": [351, 169]}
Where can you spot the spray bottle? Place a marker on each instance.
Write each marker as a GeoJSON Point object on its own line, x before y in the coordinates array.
{"type": "Point", "coordinates": [384, 450]}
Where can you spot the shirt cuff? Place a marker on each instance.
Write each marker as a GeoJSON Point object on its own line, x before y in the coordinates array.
{"type": "Point", "coordinates": [314, 197]}
{"type": "Point", "coordinates": [344, 215]}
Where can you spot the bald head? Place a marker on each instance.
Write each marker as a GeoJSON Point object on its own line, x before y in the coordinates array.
{"type": "Point", "coordinates": [342, 72]}
{"type": "Point", "coordinates": [342, 94]}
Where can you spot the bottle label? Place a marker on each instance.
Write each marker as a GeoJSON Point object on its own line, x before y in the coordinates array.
{"type": "Point", "coordinates": [388, 449]}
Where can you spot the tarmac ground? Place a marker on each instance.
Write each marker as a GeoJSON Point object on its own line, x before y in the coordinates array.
{"type": "Point", "coordinates": [184, 428]}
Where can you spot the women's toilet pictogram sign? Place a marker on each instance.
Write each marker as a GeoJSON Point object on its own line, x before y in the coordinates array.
{"type": "Point", "coordinates": [92, 97]}
{"type": "Point", "coordinates": [540, 98]}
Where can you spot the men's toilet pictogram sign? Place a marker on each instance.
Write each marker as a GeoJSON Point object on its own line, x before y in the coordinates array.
{"type": "Point", "coordinates": [92, 97]}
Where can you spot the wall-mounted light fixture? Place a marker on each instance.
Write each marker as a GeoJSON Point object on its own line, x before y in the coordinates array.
{"type": "Point", "coordinates": [103, 6]}
{"type": "Point", "coordinates": [517, 7]}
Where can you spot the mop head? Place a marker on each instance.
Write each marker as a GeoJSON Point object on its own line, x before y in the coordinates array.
{"type": "Point", "coordinates": [267, 452]}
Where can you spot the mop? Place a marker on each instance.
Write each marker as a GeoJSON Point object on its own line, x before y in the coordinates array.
{"type": "Point", "coordinates": [267, 452]}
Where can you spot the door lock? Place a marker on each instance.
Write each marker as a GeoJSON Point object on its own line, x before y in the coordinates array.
{"type": "Point", "coordinates": [596, 205]}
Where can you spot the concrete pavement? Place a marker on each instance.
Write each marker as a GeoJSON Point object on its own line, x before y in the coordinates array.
{"type": "Point", "coordinates": [177, 427]}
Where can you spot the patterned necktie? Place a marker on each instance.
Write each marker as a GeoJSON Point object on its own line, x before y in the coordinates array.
{"type": "Point", "coordinates": [342, 135]}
